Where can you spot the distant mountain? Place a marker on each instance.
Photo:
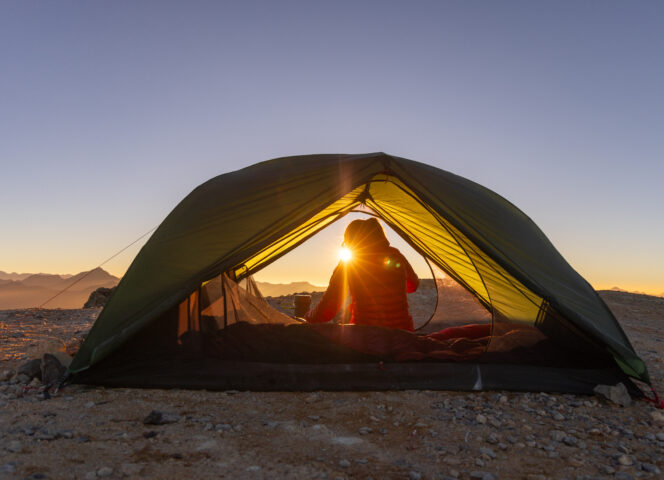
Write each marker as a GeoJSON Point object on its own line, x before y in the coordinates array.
{"type": "Point", "coordinates": [618, 289]}
{"type": "Point", "coordinates": [280, 289]}
{"type": "Point", "coordinates": [35, 289]}
{"type": "Point", "coordinates": [13, 275]}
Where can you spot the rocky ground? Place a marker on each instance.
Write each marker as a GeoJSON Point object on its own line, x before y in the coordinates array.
{"type": "Point", "coordinates": [86, 433]}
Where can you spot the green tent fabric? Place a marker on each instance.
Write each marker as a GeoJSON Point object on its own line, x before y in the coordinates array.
{"type": "Point", "coordinates": [241, 221]}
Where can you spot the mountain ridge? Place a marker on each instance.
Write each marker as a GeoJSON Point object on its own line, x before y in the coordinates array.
{"type": "Point", "coordinates": [35, 289]}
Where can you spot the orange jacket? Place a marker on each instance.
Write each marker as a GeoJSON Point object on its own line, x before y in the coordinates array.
{"type": "Point", "coordinates": [378, 282]}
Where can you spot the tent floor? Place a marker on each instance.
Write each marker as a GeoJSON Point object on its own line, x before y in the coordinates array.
{"type": "Point", "coordinates": [233, 375]}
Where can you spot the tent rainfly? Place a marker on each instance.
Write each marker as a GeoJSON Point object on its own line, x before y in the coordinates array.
{"type": "Point", "coordinates": [178, 318]}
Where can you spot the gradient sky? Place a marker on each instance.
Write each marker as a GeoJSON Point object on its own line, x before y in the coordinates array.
{"type": "Point", "coordinates": [111, 112]}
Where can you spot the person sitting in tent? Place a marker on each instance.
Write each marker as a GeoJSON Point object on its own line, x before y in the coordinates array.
{"type": "Point", "coordinates": [377, 276]}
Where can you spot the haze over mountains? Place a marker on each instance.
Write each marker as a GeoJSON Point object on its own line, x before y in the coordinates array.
{"type": "Point", "coordinates": [31, 290]}
{"type": "Point", "coordinates": [280, 289]}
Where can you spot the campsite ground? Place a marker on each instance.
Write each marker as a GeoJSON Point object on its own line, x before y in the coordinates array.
{"type": "Point", "coordinates": [84, 432]}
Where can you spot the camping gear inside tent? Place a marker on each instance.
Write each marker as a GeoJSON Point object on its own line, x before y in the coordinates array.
{"type": "Point", "coordinates": [179, 317]}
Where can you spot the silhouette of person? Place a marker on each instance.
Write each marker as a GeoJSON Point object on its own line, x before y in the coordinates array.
{"type": "Point", "coordinates": [377, 276]}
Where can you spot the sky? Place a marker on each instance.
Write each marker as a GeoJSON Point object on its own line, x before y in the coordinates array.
{"type": "Point", "coordinates": [111, 112]}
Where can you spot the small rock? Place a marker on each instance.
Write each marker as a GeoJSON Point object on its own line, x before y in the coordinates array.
{"type": "Point", "coordinates": [23, 379]}
{"type": "Point", "coordinates": [650, 468]}
{"type": "Point", "coordinates": [623, 476]}
{"type": "Point", "coordinates": [209, 445]}
{"type": "Point", "coordinates": [89, 404]}
{"type": "Point", "coordinates": [313, 398]}
{"type": "Point", "coordinates": [365, 430]}
{"type": "Point", "coordinates": [454, 473]}
{"type": "Point", "coordinates": [488, 452]}
{"type": "Point", "coordinates": [5, 376]}
{"type": "Point", "coordinates": [625, 460]}
{"type": "Point", "coordinates": [8, 467]}
{"type": "Point", "coordinates": [452, 461]}
{"type": "Point", "coordinates": [618, 394]}
{"type": "Point", "coordinates": [492, 438]}
{"type": "Point", "coordinates": [344, 463]}
{"type": "Point", "coordinates": [480, 418]}
{"type": "Point", "coordinates": [483, 475]}
{"type": "Point", "coordinates": [131, 469]}
{"type": "Point", "coordinates": [51, 369]}
{"type": "Point", "coordinates": [253, 468]}
{"type": "Point", "coordinates": [660, 436]}
{"type": "Point", "coordinates": [90, 476]}
{"type": "Point", "coordinates": [31, 369]}
{"type": "Point", "coordinates": [223, 427]}
{"type": "Point", "coordinates": [557, 435]}
{"type": "Point", "coordinates": [607, 469]}
{"type": "Point", "coordinates": [346, 441]}
{"type": "Point", "coordinates": [104, 472]}
{"type": "Point", "coordinates": [658, 417]}
{"type": "Point", "coordinates": [14, 447]}
{"type": "Point", "coordinates": [571, 441]}
{"type": "Point", "coordinates": [557, 416]}
{"type": "Point", "coordinates": [415, 475]}
{"type": "Point", "coordinates": [156, 417]}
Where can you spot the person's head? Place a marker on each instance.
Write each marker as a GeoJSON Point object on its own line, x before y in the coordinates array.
{"type": "Point", "coordinates": [363, 235]}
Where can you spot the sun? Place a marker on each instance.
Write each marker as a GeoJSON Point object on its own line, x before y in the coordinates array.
{"type": "Point", "coordinates": [345, 254]}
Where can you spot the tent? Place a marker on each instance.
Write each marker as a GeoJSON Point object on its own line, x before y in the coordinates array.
{"type": "Point", "coordinates": [550, 329]}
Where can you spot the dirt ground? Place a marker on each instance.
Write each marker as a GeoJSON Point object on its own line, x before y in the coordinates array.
{"type": "Point", "coordinates": [85, 433]}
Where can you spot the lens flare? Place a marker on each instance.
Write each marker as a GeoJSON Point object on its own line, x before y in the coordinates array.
{"type": "Point", "coordinates": [345, 254]}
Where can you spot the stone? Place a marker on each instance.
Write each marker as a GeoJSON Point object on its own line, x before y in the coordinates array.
{"type": "Point", "coordinates": [6, 375]}
{"type": "Point", "coordinates": [657, 417]}
{"type": "Point", "coordinates": [452, 461]}
{"type": "Point", "coordinates": [23, 379]}
{"type": "Point", "coordinates": [131, 469]}
{"type": "Point", "coordinates": [482, 475]}
{"type": "Point", "coordinates": [344, 463]}
{"type": "Point", "coordinates": [488, 452]}
{"type": "Point", "coordinates": [156, 417]}
{"type": "Point", "coordinates": [650, 468]}
{"type": "Point", "coordinates": [346, 441]}
{"type": "Point", "coordinates": [660, 436]}
{"type": "Point", "coordinates": [14, 447]}
{"type": "Point", "coordinates": [99, 297]}
{"type": "Point", "coordinates": [90, 476]}
{"type": "Point", "coordinates": [51, 369]}
{"type": "Point", "coordinates": [557, 435]}
{"type": "Point", "coordinates": [253, 468]}
{"type": "Point", "coordinates": [104, 472]}
{"type": "Point", "coordinates": [31, 369]}
{"type": "Point", "coordinates": [223, 427]}
{"type": "Point", "coordinates": [617, 394]}
{"type": "Point", "coordinates": [623, 476]}
{"type": "Point", "coordinates": [415, 475]}
{"type": "Point", "coordinates": [492, 438]}
{"type": "Point", "coordinates": [365, 430]}
{"type": "Point", "coordinates": [625, 460]}
{"type": "Point", "coordinates": [607, 469]}
{"type": "Point", "coordinates": [571, 441]}
{"type": "Point", "coordinates": [479, 418]}
{"type": "Point", "coordinates": [9, 467]}
{"type": "Point", "coordinates": [209, 445]}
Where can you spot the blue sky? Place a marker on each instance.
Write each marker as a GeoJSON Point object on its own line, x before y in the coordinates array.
{"type": "Point", "coordinates": [111, 112]}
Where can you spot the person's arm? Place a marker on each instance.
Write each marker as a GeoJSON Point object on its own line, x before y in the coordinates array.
{"type": "Point", "coordinates": [332, 299]}
{"type": "Point", "coordinates": [412, 282]}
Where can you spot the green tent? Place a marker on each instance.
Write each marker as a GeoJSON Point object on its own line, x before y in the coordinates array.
{"type": "Point", "coordinates": [237, 223]}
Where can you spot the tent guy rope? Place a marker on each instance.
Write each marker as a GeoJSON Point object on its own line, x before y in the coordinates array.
{"type": "Point", "coordinates": [98, 266]}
